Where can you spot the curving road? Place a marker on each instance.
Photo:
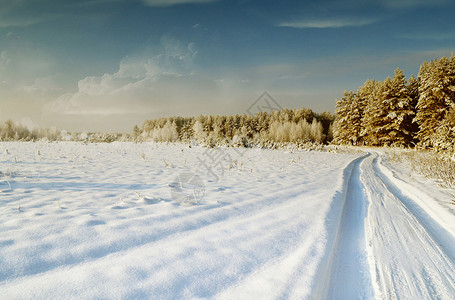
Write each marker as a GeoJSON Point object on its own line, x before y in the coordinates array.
{"type": "Point", "coordinates": [387, 247]}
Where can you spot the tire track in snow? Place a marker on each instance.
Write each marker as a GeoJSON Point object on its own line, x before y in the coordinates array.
{"type": "Point", "coordinates": [349, 276]}
{"type": "Point", "coordinates": [443, 236]}
{"type": "Point", "coordinates": [344, 235]}
{"type": "Point", "coordinates": [406, 260]}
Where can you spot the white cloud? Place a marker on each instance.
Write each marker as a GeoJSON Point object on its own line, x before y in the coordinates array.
{"type": "Point", "coordinates": [174, 2]}
{"type": "Point", "coordinates": [13, 14]}
{"type": "Point", "coordinates": [157, 82]}
{"type": "Point", "coordinates": [23, 13]}
{"type": "Point", "coordinates": [18, 22]}
{"type": "Point", "coordinates": [328, 23]}
{"type": "Point", "coordinates": [199, 27]}
{"type": "Point", "coordinates": [43, 85]}
{"type": "Point", "coordinates": [411, 3]}
{"type": "Point", "coordinates": [437, 36]}
{"type": "Point", "coordinates": [4, 60]}
{"type": "Point", "coordinates": [21, 65]}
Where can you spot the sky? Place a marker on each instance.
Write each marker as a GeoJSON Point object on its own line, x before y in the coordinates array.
{"type": "Point", "coordinates": [107, 65]}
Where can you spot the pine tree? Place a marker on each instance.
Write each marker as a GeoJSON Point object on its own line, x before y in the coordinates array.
{"type": "Point", "coordinates": [364, 94]}
{"type": "Point", "coordinates": [136, 132]}
{"type": "Point", "coordinates": [344, 133]}
{"type": "Point", "coordinates": [398, 126]}
{"type": "Point", "coordinates": [436, 99]}
{"type": "Point", "coordinates": [373, 114]}
{"type": "Point", "coordinates": [413, 92]}
{"type": "Point", "coordinates": [388, 112]}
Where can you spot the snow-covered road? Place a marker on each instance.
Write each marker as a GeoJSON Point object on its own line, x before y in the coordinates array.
{"type": "Point", "coordinates": [409, 259]}
{"type": "Point", "coordinates": [99, 221]}
{"type": "Point", "coordinates": [387, 247]}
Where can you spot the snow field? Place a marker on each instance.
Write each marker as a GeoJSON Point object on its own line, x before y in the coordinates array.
{"type": "Point", "coordinates": [99, 221]}
{"type": "Point", "coordinates": [74, 226]}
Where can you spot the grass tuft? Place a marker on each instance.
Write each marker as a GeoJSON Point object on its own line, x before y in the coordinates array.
{"type": "Point", "coordinates": [430, 164]}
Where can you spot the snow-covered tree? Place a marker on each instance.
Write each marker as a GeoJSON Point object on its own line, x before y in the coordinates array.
{"type": "Point", "coordinates": [436, 100]}
{"type": "Point", "coordinates": [373, 116]}
{"type": "Point", "coordinates": [198, 129]}
{"type": "Point", "coordinates": [363, 96]}
{"type": "Point", "coordinates": [136, 132]}
{"type": "Point", "coordinates": [347, 124]}
{"type": "Point", "coordinates": [388, 112]}
{"type": "Point", "coordinates": [413, 92]}
{"type": "Point", "coordinates": [397, 127]}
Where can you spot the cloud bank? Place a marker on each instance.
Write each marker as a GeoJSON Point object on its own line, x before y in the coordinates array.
{"type": "Point", "coordinates": [394, 4]}
{"type": "Point", "coordinates": [328, 23]}
{"type": "Point", "coordinates": [163, 3]}
{"type": "Point", "coordinates": [155, 83]}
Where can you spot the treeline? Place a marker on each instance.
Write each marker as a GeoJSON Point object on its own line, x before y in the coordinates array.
{"type": "Point", "coordinates": [10, 131]}
{"type": "Point", "coordinates": [263, 129]}
{"type": "Point", "coordinates": [399, 112]}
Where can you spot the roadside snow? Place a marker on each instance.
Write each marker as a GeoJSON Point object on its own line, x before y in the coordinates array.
{"type": "Point", "coordinates": [102, 221]}
{"type": "Point", "coordinates": [434, 200]}
{"type": "Point", "coordinates": [73, 225]}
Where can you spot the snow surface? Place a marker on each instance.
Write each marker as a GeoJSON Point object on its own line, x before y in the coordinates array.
{"type": "Point", "coordinates": [410, 256]}
{"type": "Point", "coordinates": [102, 221]}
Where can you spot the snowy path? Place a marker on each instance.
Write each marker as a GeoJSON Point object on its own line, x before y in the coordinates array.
{"type": "Point", "coordinates": [299, 225]}
{"type": "Point", "coordinates": [408, 259]}
{"type": "Point", "coordinates": [349, 267]}
{"type": "Point", "coordinates": [386, 246]}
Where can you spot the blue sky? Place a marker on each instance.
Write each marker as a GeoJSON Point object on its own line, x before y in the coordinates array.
{"type": "Point", "coordinates": [109, 64]}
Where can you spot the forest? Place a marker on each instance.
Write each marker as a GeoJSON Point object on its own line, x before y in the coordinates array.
{"type": "Point", "coordinates": [398, 112]}
{"type": "Point", "coordinates": [415, 112]}
{"type": "Point", "coordinates": [265, 129]}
